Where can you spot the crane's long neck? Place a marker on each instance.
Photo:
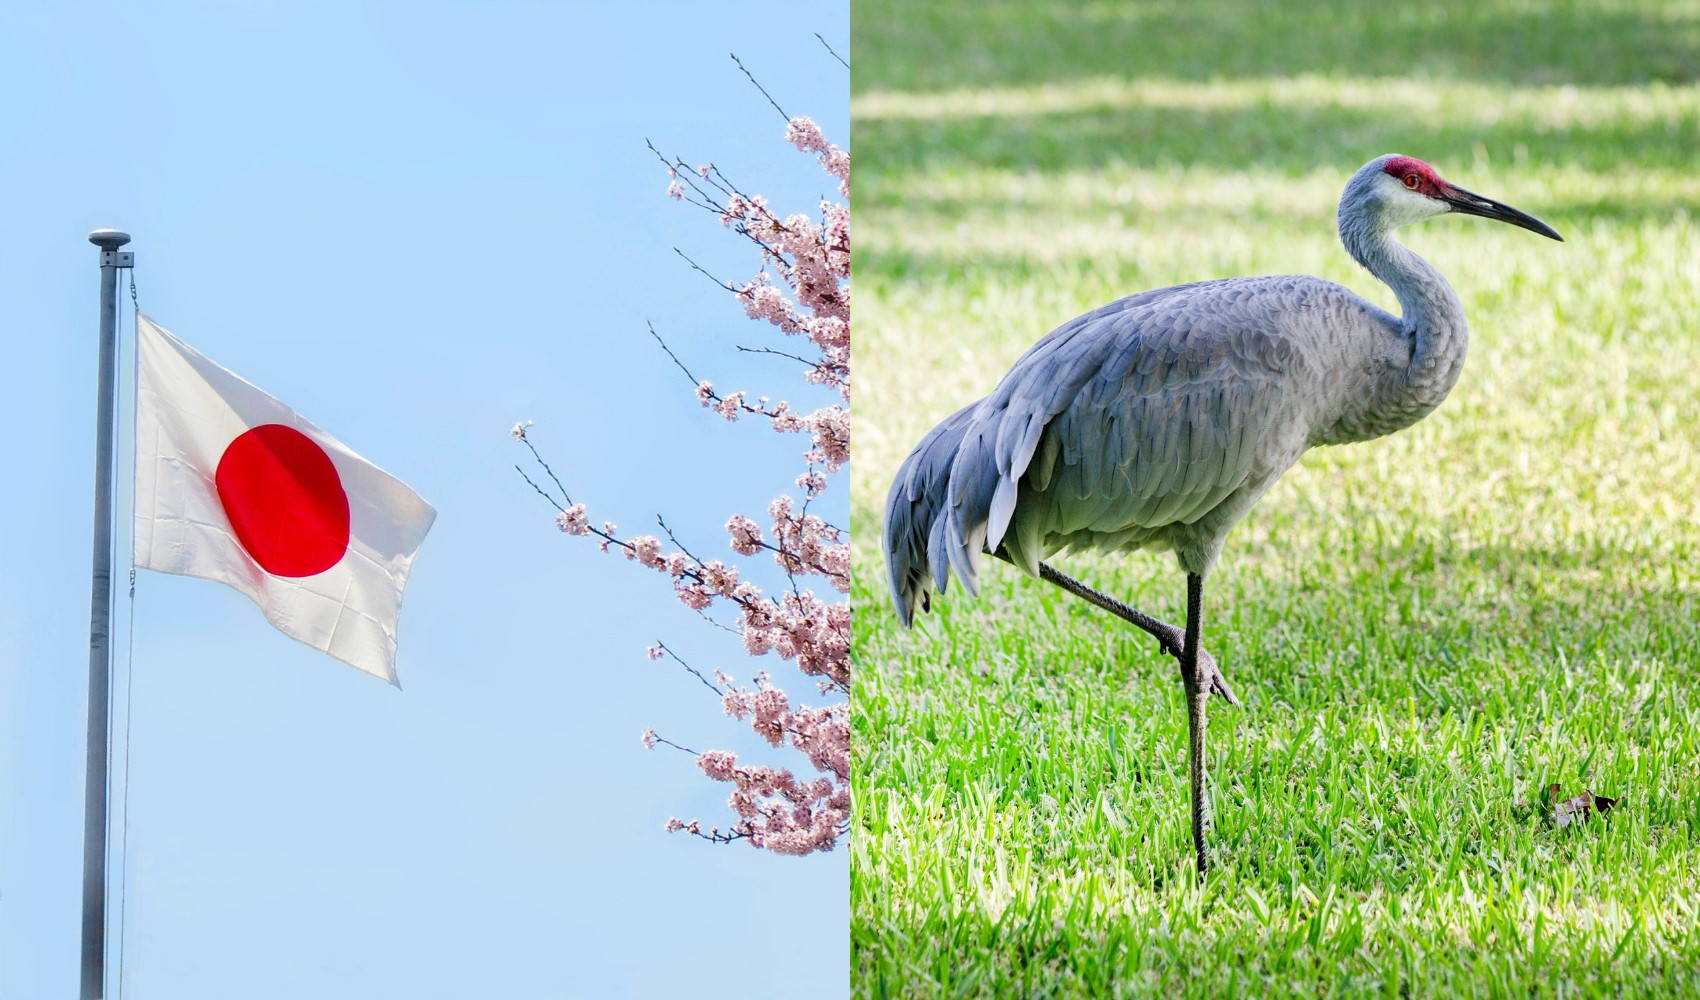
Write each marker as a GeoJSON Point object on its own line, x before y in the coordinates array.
{"type": "Point", "coordinates": [1432, 319]}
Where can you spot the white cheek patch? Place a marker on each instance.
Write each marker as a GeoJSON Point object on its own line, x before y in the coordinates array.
{"type": "Point", "coordinates": [1401, 206]}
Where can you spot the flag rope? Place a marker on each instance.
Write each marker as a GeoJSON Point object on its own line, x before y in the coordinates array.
{"type": "Point", "coordinates": [129, 670]}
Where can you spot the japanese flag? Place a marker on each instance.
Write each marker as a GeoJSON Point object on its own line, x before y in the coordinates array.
{"type": "Point", "coordinates": [234, 486]}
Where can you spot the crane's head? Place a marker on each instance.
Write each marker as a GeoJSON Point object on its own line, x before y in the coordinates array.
{"type": "Point", "coordinates": [1392, 190]}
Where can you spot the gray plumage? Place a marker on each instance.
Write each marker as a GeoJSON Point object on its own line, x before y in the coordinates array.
{"type": "Point", "coordinates": [1158, 420]}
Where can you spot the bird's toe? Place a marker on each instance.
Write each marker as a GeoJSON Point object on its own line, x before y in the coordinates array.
{"type": "Point", "coordinates": [1214, 681]}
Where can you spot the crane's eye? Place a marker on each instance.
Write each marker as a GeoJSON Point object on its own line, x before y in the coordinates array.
{"type": "Point", "coordinates": [1412, 181]}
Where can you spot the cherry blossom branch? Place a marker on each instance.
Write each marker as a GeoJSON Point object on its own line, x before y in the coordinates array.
{"type": "Point", "coordinates": [802, 287]}
{"type": "Point", "coordinates": [675, 540]}
{"type": "Point", "coordinates": [714, 836]}
{"type": "Point", "coordinates": [703, 187]}
{"type": "Point", "coordinates": [651, 739]}
{"type": "Point", "coordinates": [715, 579]}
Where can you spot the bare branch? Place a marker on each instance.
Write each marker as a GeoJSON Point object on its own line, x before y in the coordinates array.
{"type": "Point", "coordinates": [759, 87]}
{"type": "Point", "coordinates": [694, 671]}
{"type": "Point", "coordinates": [533, 448]}
{"type": "Point", "coordinates": [769, 350]}
{"type": "Point", "coordinates": [663, 739]}
{"type": "Point", "coordinates": [725, 286]}
{"type": "Point", "coordinates": [835, 55]}
{"type": "Point", "coordinates": [539, 490]}
{"type": "Point", "coordinates": [675, 539]}
{"type": "Point", "coordinates": [694, 380]}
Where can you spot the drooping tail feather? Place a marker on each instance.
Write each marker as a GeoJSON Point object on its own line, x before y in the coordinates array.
{"type": "Point", "coordinates": [915, 538]}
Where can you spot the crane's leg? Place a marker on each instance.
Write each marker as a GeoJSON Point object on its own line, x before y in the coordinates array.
{"type": "Point", "coordinates": [1200, 676]}
{"type": "Point", "coordinates": [1197, 692]}
{"type": "Point", "coordinates": [1170, 640]}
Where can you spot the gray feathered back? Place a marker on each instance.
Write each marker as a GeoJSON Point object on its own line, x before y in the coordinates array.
{"type": "Point", "coordinates": [1158, 420]}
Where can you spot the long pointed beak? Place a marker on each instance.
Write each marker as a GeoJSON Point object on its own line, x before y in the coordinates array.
{"type": "Point", "coordinates": [1470, 203]}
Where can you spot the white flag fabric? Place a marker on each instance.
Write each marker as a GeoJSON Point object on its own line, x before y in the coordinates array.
{"type": "Point", "coordinates": [234, 486]}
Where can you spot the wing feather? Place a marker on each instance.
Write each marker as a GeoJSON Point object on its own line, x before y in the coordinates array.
{"type": "Point", "coordinates": [1127, 423]}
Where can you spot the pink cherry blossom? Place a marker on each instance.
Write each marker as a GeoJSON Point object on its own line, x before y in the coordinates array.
{"type": "Point", "coordinates": [799, 290]}
{"type": "Point", "coordinates": [572, 520]}
{"type": "Point", "coordinates": [746, 536]}
{"type": "Point", "coordinates": [646, 550]}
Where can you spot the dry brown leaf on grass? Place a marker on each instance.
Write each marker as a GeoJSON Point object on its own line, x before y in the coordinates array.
{"type": "Point", "coordinates": [1575, 810]}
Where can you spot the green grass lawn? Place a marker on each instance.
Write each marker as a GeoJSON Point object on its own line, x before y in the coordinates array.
{"type": "Point", "coordinates": [1426, 630]}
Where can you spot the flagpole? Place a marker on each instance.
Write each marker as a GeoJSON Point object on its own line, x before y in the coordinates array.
{"type": "Point", "coordinates": [100, 623]}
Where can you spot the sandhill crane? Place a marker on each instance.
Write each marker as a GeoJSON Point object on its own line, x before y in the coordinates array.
{"type": "Point", "coordinates": [1158, 420]}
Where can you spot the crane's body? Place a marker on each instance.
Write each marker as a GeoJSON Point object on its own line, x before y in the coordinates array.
{"type": "Point", "coordinates": [1158, 420]}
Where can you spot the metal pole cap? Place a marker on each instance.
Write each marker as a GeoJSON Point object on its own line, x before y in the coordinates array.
{"type": "Point", "coordinates": [109, 239]}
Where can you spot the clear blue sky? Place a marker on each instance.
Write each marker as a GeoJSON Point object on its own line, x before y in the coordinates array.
{"type": "Point", "coordinates": [415, 223]}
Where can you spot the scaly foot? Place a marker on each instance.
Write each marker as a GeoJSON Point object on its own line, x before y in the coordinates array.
{"type": "Point", "coordinates": [1173, 640]}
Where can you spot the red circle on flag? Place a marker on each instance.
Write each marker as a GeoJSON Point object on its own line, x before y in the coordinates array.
{"type": "Point", "coordinates": [284, 500]}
